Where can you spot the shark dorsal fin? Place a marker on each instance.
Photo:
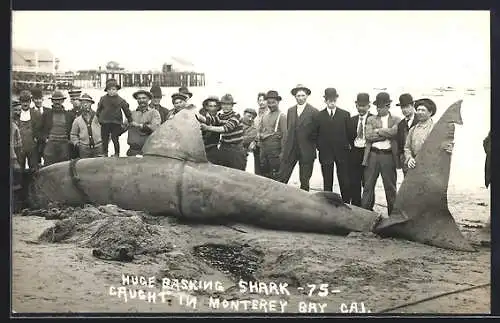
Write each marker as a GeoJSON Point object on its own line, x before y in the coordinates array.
{"type": "Point", "coordinates": [179, 138]}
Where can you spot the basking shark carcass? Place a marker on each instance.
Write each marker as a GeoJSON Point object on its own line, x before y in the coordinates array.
{"type": "Point", "coordinates": [421, 208]}
{"type": "Point", "coordinates": [174, 178]}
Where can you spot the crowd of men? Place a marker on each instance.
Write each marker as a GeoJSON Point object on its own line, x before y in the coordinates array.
{"type": "Point", "coordinates": [361, 147]}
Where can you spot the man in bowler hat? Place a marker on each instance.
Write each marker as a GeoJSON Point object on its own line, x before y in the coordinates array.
{"type": "Point", "coordinates": [408, 109]}
{"type": "Point", "coordinates": [333, 143]}
{"type": "Point", "coordinates": [155, 102]}
{"type": "Point", "coordinates": [358, 145]}
{"type": "Point", "coordinates": [301, 138]}
{"type": "Point", "coordinates": [381, 156]}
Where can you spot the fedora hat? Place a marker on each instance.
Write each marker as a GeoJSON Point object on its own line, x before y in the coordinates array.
{"type": "Point", "coordinates": [178, 95]}
{"type": "Point", "coordinates": [36, 93]}
{"type": "Point", "coordinates": [363, 99]}
{"type": "Point", "coordinates": [405, 99]}
{"type": "Point", "coordinates": [86, 97]}
{"type": "Point", "coordinates": [300, 87]}
{"type": "Point", "coordinates": [156, 91]}
{"type": "Point", "coordinates": [272, 95]}
{"type": "Point", "coordinates": [148, 94]}
{"type": "Point", "coordinates": [58, 95]}
{"type": "Point", "coordinates": [184, 90]}
{"type": "Point", "coordinates": [382, 98]}
{"type": "Point", "coordinates": [25, 96]}
{"type": "Point", "coordinates": [428, 103]}
{"type": "Point", "coordinates": [228, 99]}
{"type": "Point", "coordinates": [110, 83]}
{"type": "Point", "coordinates": [331, 93]}
{"type": "Point", "coordinates": [212, 98]}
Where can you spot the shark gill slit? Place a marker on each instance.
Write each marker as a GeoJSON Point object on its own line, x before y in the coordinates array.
{"type": "Point", "coordinates": [179, 186]}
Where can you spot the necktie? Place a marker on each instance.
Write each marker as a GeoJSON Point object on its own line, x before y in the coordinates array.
{"type": "Point", "coordinates": [331, 114]}
{"type": "Point", "coordinates": [360, 128]}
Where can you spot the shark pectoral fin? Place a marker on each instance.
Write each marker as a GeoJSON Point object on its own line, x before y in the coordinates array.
{"type": "Point", "coordinates": [435, 228]}
{"type": "Point", "coordinates": [178, 138]}
{"type": "Point", "coordinates": [332, 198]}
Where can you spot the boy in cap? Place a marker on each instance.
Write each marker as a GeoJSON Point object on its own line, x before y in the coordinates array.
{"type": "Point", "coordinates": [56, 130]}
{"type": "Point", "coordinates": [155, 102]}
{"type": "Point", "coordinates": [211, 106]}
{"type": "Point", "coordinates": [145, 121]}
{"type": "Point", "coordinates": [249, 131]}
{"type": "Point", "coordinates": [381, 155]}
{"type": "Point", "coordinates": [30, 127]}
{"type": "Point", "coordinates": [109, 112]}
{"type": "Point", "coordinates": [86, 131]}
{"type": "Point", "coordinates": [228, 124]}
{"type": "Point", "coordinates": [179, 102]}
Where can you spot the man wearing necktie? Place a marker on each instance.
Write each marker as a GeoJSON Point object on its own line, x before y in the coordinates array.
{"type": "Point", "coordinates": [358, 144]}
{"type": "Point", "coordinates": [333, 144]}
{"type": "Point", "coordinates": [408, 109]}
{"type": "Point", "coordinates": [301, 139]}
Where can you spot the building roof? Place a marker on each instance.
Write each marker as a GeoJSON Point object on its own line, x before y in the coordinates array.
{"type": "Point", "coordinates": [22, 56]}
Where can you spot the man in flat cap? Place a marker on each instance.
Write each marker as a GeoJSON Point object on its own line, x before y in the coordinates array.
{"type": "Point", "coordinates": [301, 138]}
{"type": "Point", "coordinates": [425, 110]}
{"type": "Point", "coordinates": [381, 155]}
{"type": "Point", "coordinates": [334, 129]}
{"type": "Point", "coordinates": [56, 130]}
{"type": "Point", "coordinates": [358, 145]}
{"type": "Point", "coordinates": [156, 100]}
{"type": "Point", "coordinates": [145, 121]}
{"type": "Point", "coordinates": [86, 131]}
{"type": "Point", "coordinates": [30, 127]}
{"type": "Point", "coordinates": [74, 96]}
{"type": "Point", "coordinates": [408, 109]}
{"type": "Point", "coordinates": [271, 135]}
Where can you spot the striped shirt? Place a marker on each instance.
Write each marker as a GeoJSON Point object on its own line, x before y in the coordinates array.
{"type": "Point", "coordinates": [233, 129]}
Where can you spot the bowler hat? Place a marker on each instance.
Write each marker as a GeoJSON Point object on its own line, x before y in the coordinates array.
{"type": "Point", "coordinates": [57, 96]}
{"type": "Point", "coordinates": [184, 90]}
{"type": "Point", "coordinates": [178, 95]}
{"type": "Point", "coordinates": [36, 93]}
{"type": "Point", "coordinates": [148, 94]}
{"type": "Point", "coordinates": [405, 99]}
{"type": "Point", "coordinates": [156, 91]}
{"type": "Point", "coordinates": [86, 97]}
{"type": "Point", "coordinates": [251, 111]}
{"type": "Point", "coordinates": [24, 96]}
{"type": "Point", "coordinates": [363, 99]}
{"type": "Point", "coordinates": [110, 83]}
{"type": "Point", "coordinates": [331, 93]}
{"type": "Point", "coordinates": [74, 94]}
{"type": "Point", "coordinates": [382, 98]}
{"type": "Point", "coordinates": [227, 98]}
{"type": "Point", "coordinates": [428, 103]}
{"type": "Point", "coordinates": [212, 98]}
{"type": "Point", "coordinates": [272, 95]}
{"type": "Point", "coordinates": [300, 87]}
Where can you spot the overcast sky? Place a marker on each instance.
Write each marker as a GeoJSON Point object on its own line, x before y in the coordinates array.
{"type": "Point", "coordinates": [354, 47]}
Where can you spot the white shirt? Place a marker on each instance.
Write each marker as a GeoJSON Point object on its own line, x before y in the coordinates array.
{"type": "Point", "coordinates": [409, 122]}
{"type": "Point", "coordinates": [386, 144]}
{"type": "Point", "coordinates": [331, 112]}
{"type": "Point", "coordinates": [300, 109]}
{"type": "Point", "coordinates": [361, 142]}
{"type": "Point", "coordinates": [25, 115]}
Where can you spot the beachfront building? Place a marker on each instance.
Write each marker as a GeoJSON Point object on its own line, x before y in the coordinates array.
{"type": "Point", "coordinates": [175, 73]}
{"type": "Point", "coordinates": [32, 67]}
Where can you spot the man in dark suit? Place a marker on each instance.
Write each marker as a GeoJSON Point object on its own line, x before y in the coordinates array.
{"type": "Point", "coordinates": [408, 109]}
{"type": "Point", "coordinates": [29, 122]}
{"type": "Point", "coordinates": [301, 138]}
{"type": "Point", "coordinates": [333, 144]}
{"type": "Point", "coordinates": [358, 144]}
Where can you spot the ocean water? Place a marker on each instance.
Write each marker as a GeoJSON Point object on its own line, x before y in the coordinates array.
{"type": "Point", "coordinates": [467, 167]}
